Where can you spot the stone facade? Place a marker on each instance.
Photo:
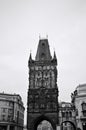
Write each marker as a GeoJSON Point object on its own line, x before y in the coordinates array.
{"type": "Point", "coordinates": [11, 112]}
{"type": "Point", "coordinates": [67, 115]}
{"type": "Point", "coordinates": [79, 102]}
{"type": "Point", "coordinates": [43, 91]}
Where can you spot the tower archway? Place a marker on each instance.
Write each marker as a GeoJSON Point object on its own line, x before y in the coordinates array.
{"type": "Point", "coordinates": [66, 124]}
{"type": "Point", "coordinates": [44, 123]}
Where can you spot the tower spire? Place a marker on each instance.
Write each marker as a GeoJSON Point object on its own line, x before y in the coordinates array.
{"type": "Point", "coordinates": [30, 57]}
{"type": "Point", "coordinates": [43, 51]}
{"type": "Point", "coordinates": [54, 55]}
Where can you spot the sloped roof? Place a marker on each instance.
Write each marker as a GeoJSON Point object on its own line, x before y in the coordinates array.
{"type": "Point", "coordinates": [43, 51]}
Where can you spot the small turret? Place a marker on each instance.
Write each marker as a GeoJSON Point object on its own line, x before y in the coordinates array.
{"type": "Point", "coordinates": [54, 56]}
{"type": "Point", "coordinates": [30, 58]}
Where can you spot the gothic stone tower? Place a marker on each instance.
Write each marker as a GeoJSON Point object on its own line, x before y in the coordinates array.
{"type": "Point", "coordinates": [42, 101]}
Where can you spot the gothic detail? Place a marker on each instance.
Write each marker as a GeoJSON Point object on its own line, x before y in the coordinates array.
{"type": "Point", "coordinates": [43, 91]}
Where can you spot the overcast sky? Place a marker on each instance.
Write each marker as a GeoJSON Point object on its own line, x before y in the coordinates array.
{"type": "Point", "coordinates": [21, 23]}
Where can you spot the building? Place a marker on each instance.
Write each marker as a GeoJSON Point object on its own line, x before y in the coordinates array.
{"type": "Point", "coordinates": [79, 102]}
{"type": "Point", "coordinates": [11, 112]}
{"type": "Point", "coordinates": [42, 100]}
{"type": "Point", "coordinates": [67, 115]}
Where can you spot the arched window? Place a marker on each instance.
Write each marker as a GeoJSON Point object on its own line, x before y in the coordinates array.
{"type": "Point", "coordinates": [63, 114]}
{"type": "Point", "coordinates": [70, 114]}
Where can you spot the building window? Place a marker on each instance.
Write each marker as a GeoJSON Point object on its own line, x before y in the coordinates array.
{"type": "Point", "coordinates": [46, 73]}
{"type": "Point", "coordinates": [43, 44]}
{"type": "Point", "coordinates": [36, 106]}
{"type": "Point", "coordinates": [54, 106]}
{"type": "Point", "coordinates": [3, 117]}
{"type": "Point", "coordinates": [42, 105]}
{"type": "Point", "coordinates": [84, 113]}
{"type": "Point", "coordinates": [31, 107]}
{"type": "Point", "coordinates": [9, 118]}
{"type": "Point", "coordinates": [70, 114]}
{"type": "Point", "coordinates": [66, 114]}
{"type": "Point", "coordinates": [42, 55]}
{"type": "Point", "coordinates": [63, 114]}
{"type": "Point", "coordinates": [84, 108]}
{"type": "Point", "coordinates": [7, 103]}
{"type": "Point", "coordinates": [10, 111]}
{"type": "Point", "coordinates": [4, 110]}
{"type": "Point", "coordinates": [48, 105]}
{"type": "Point", "coordinates": [38, 73]}
{"type": "Point", "coordinates": [76, 112]}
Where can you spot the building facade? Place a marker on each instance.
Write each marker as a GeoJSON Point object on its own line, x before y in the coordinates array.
{"type": "Point", "coordinates": [67, 116]}
{"type": "Point", "coordinates": [11, 112]}
{"type": "Point", "coordinates": [42, 101]}
{"type": "Point", "coordinates": [79, 102]}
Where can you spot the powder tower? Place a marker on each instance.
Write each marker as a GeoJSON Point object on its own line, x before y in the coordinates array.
{"type": "Point", "coordinates": [42, 101]}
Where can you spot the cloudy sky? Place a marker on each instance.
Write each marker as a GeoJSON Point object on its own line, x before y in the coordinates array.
{"type": "Point", "coordinates": [21, 23]}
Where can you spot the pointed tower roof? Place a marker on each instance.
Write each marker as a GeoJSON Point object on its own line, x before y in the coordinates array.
{"type": "Point", "coordinates": [54, 56]}
{"type": "Point", "coordinates": [30, 57]}
{"type": "Point", "coordinates": [43, 51]}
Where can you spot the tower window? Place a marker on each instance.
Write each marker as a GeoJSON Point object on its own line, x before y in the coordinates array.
{"type": "Point", "coordinates": [46, 73]}
{"type": "Point", "coordinates": [43, 44]}
{"type": "Point", "coordinates": [42, 55]}
{"type": "Point", "coordinates": [63, 114]}
{"type": "Point", "coordinates": [38, 73]}
{"type": "Point", "coordinates": [70, 114]}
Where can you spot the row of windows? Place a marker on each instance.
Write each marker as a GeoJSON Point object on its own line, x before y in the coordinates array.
{"type": "Point", "coordinates": [42, 106]}
{"type": "Point", "coordinates": [6, 103]}
{"type": "Point", "coordinates": [52, 97]}
{"type": "Point", "coordinates": [5, 110]}
{"type": "Point", "coordinates": [67, 114]}
{"type": "Point", "coordinates": [38, 84]}
{"type": "Point", "coordinates": [10, 119]}
{"type": "Point", "coordinates": [45, 73]}
{"type": "Point", "coordinates": [6, 118]}
{"type": "Point", "coordinates": [40, 68]}
{"type": "Point", "coordinates": [9, 111]}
